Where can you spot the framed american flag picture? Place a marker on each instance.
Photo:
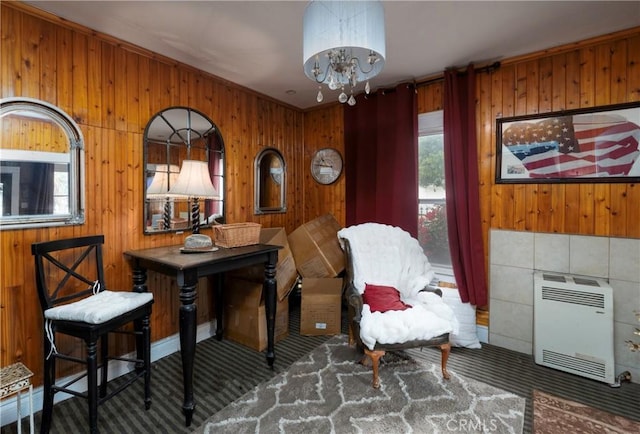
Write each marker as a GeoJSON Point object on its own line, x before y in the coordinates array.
{"type": "Point", "coordinates": [598, 144]}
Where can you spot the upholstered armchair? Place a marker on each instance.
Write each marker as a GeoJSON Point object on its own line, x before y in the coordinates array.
{"type": "Point", "coordinates": [390, 304]}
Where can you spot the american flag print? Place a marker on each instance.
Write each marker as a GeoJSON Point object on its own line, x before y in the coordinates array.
{"type": "Point", "coordinates": [586, 145]}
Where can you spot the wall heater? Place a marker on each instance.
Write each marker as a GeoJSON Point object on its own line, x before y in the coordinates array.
{"type": "Point", "coordinates": [573, 325]}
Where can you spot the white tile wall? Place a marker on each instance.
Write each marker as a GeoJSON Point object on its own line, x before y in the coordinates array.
{"type": "Point", "coordinates": [515, 255]}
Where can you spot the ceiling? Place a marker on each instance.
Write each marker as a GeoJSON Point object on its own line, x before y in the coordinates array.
{"type": "Point", "coordinates": [258, 44]}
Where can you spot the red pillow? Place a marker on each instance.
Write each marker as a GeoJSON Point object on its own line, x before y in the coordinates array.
{"type": "Point", "coordinates": [382, 298]}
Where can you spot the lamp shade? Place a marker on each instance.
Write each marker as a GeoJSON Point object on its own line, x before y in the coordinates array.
{"type": "Point", "coordinates": [357, 26]}
{"type": "Point", "coordinates": [194, 181]}
{"type": "Point", "coordinates": [163, 178]}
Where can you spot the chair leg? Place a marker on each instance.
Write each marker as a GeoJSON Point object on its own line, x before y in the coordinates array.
{"type": "Point", "coordinates": [146, 351]}
{"type": "Point", "coordinates": [375, 362]}
{"type": "Point", "coordinates": [92, 385]}
{"type": "Point", "coordinates": [49, 380]}
{"type": "Point", "coordinates": [352, 339]}
{"type": "Point", "coordinates": [445, 349]}
{"type": "Point", "coordinates": [104, 349]}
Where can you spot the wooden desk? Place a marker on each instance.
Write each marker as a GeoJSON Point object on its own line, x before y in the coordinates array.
{"type": "Point", "coordinates": [187, 268]}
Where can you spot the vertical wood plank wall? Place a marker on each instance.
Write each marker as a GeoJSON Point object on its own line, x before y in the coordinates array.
{"type": "Point", "coordinates": [602, 71]}
{"type": "Point", "coordinates": [112, 89]}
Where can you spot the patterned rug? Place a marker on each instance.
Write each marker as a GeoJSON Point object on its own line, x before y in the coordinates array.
{"type": "Point", "coordinates": [327, 391]}
{"type": "Point", "coordinates": [552, 415]}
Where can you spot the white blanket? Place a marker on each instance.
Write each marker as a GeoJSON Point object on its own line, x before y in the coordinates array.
{"type": "Point", "coordinates": [387, 255]}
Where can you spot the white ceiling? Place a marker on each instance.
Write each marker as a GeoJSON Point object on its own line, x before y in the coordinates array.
{"type": "Point", "coordinates": [258, 44]}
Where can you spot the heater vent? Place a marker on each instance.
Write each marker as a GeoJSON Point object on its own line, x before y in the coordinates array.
{"type": "Point", "coordinates": [573, 296]}
{"type": "Point", "coordinates": [573, 325]}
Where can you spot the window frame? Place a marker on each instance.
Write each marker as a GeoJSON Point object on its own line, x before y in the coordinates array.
{"type": "Point", "coordinates": [74, 158]}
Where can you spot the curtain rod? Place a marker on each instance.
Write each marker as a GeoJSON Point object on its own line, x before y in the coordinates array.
{"type": "Point", "coordinates": [427, 81]}
{"type": "Point", "coordinates": [485, 68]}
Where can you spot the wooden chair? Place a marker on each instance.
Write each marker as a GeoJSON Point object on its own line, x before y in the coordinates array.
{"type": "Point", "coordinates": [386, 255]}
{"type": "Point", "coordinates": [75, 302]}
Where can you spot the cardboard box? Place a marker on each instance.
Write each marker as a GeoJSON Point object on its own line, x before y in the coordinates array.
{"type": "Point", "coordinates": [315, 248]}
{"type": "Point", "coordinates": [321, 306]}
{"type": "Point", "coordinates": [245, 319]}
{"type": "Point", "coordinates": [286, 273]}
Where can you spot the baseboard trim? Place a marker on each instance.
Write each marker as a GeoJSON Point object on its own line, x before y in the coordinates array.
{"type": "Point", "coordinates": [159, 349]}
{"type": "Point", "coordinates": [483, 333]}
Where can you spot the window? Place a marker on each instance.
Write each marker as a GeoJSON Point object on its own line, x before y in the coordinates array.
{"type": "Point", "coordinates": [432, 213]}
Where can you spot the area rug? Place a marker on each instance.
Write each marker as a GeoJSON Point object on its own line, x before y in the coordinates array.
{"type": "Point", "coordinates": [552, 415]}
{"type": "Point", "coordinates": [327, 391]}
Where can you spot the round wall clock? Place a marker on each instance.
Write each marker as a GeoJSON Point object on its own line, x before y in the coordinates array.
{"type": "Point", "coordinates": [326, 166]}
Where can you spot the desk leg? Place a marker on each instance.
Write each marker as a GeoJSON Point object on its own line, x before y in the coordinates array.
{"type": "Point", "coordinates": [219, 302]}
{"type": "Point", "coordinates": [188, 314]}
{"type": "Point", "coordinates": [270, 299]}
{"type": "Point", "coordinates": [139, 285]}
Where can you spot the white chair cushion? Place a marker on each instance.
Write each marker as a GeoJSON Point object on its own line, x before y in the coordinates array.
{"type": "Point", "coordinates": [429, 317]}
{"type": "Point", "coordinates": [99, 308]}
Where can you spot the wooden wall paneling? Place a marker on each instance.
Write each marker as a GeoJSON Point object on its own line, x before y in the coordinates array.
{"type": "Point", "coordinates": [80, 78]}
{"type": "Point", "coordinates": [64, 70]}
{"type": "Point", "coordinates": [30, 67]}
{"type": "Point", "coordinates": [323, 128]}
{"type": "Point", "coordinates": [486, 152]}
{"type": "Point", "coordinates": [132, 99]}
{"type": "Point", "coordinates": [143, 92]}
{"type": "Point", "coordinates": [120, 106]}
{"type": "Point", "coordinates": [108, 94]}
{"type": "Point", "coordinates": [633, 68]}
{"type": "Point", "coordinates": [633, 210]}
{"type": "Point", "coordinates": [94, 83]}
{"type": "Point", "coordinates": [48, 62]}
{"type": "Point", "coordinates": [10, 31]}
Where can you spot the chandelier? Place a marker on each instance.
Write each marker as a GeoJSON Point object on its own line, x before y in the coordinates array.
{"type": "Point", "coordinates": [343, 45]}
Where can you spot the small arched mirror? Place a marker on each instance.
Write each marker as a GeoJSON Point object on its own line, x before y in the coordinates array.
{"type": "Point", "coordinates": [270, 182]}
{"type": "Point", "coordinates": [173, 136]}
{"type": "Point", "coordinates": [41, 165]}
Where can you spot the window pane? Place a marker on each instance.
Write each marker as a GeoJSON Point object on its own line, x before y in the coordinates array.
{"type": "Point", "coordinates": [432, 217]}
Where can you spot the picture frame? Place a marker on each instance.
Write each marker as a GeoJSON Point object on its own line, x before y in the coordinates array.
{"type": "Point", "coordinates": [589, 145]}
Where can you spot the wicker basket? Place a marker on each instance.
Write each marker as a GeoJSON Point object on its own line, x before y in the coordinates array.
{"type": "Point", "coordinates": [237, 234]}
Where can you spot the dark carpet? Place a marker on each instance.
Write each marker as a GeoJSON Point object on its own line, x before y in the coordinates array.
{"type": "Point", "coordinates": [225, 370]}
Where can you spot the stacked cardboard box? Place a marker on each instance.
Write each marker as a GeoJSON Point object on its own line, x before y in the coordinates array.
{"type": "Point", "coordinates": [286, 273]}
{"type": "Point", "coordinates": [245, 317]}
{"type": "Point", "coordinates": [319, 260]}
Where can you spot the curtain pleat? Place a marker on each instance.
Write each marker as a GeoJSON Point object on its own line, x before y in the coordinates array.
{"type": "Point", "coordinates": [381, 154]}
{"type": "Point", "coordinates": [461, 182]}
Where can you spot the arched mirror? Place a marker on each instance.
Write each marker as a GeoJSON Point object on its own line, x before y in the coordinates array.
{"type": "Point", "coordinates": [172, 137]}
{"type": "Point", "coordinates": [270, 182]}
{"type": "Point", "coordinates": [41, 165]}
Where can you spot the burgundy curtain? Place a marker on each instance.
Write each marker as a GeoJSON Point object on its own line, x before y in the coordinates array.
{"type": "Point", "coordinates": [461, 182]}
{"type": "Point", "coordinates": [381, 154]}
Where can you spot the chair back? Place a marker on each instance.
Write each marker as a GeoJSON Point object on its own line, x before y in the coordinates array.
{"type": "Point", "coordinates": [385, 255]}
{"type": "Point", "coordinates": [67, 270]}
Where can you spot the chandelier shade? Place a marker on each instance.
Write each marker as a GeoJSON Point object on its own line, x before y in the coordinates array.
{"type": "Point", "coordinates": [343, 43]}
